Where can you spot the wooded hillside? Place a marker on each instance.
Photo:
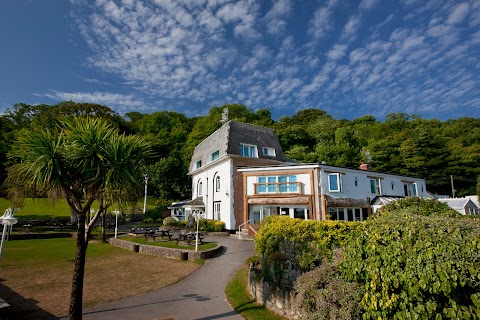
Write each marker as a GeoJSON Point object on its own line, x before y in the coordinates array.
{"type": "Point", "coordinates": [402, 144]}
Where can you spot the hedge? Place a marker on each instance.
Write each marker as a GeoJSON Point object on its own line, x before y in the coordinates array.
{"type": "Point", "coordinates": [312, 239]}
{"type": "Point", "coordinates": [416, 265]}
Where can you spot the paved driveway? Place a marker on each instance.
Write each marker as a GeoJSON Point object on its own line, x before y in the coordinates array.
{"type": "Point", "coordinates": [200, 296]}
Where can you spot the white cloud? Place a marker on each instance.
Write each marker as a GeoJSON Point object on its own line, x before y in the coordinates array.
{"type": "Point", "coordinates": [275, 17]}
{"type": "Point", "coordinates": [104, 98]}
{"type": "Point", "coordinates": [459, 14]}
{"type": "Point", "coordinates": [367, 4]}
{"type": "Point", "coordinates": [242, 51]}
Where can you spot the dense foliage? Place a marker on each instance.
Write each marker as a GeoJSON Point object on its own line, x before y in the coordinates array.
{"type": "Point", "coordinates": [416, 265]}
{"type": "Point", "coordinates": [323, 295]}
{"type": "Point", "coordinates": [402, 144]}
{"type": "Point", "coordinates": [420, 206]}
{"type": "Point", "coordinates": [312, 240]}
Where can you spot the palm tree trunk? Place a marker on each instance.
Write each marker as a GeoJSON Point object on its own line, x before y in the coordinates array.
{"type": "Point", "coordinates": [76, 298]}
{"type": "Point", "coordinates": [104, 226]}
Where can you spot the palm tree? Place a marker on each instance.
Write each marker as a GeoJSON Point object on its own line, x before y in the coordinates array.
{"type": "Point", "coordinates": [87, 159]}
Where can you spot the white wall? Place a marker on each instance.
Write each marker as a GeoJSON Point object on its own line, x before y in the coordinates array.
{"type": "Point", "coordinates": [362, 191]}
{"type": "Point", "coordinates": [222, 168]}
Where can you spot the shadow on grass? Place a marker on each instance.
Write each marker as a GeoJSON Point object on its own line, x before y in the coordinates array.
{"type": "Point", "coordinates": [21, 307]}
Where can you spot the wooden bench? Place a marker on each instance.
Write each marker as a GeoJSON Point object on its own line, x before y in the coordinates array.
{"type": "Point", "coordinates": [189, 237]}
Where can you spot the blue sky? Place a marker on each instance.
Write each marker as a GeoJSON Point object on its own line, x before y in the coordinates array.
{"type": "Point", "coordinates": [349, 58]}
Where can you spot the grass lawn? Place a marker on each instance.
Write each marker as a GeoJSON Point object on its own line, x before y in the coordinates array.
{"type": "Point", "coordinates": [43, 207]}
{"type": "Point", "coordinates": [172, 244]}
{"type": "Point", "coordinates": [36, 275]}
{"type": "Point", "coordinates": [242, 301]}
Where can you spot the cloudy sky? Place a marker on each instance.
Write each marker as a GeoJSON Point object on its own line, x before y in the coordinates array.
{"type": "Point", "coordinates": [349, 58]}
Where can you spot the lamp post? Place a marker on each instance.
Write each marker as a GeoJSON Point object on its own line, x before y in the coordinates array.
{"type": "Point", "coordinates": [145, 200]}
{"type": "Point", "coordinates": [116, 213]}
{"type": "Point", "coordinates": [7, 220]}
{"type": "Point", "coordinates": [198, 217]}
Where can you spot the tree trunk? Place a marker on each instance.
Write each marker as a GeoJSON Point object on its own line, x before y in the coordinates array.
{"type": "Point", "coordinates": [76, 298]}
{"type": "Point", "coordinates": [104, 226]}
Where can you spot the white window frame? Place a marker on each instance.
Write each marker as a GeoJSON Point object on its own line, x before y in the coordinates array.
{"type": "Point", "coordinates": [217, 184]}
{"type": "Point", "coordinates": [252, 150]}
{"type": "Point", "coordinates": [200, 188]}
{"type": "Point", "coordinates": [215, 155]}
{"type": "Point", "coordinates": [270, 152]}
{"type": "Point", "coordinates": [339, 182]}
{"type": "Point", "coordinates": [377, 186]}
{"type": "Point", "coordinates": [217, 206]}
{"type": "Point", "coordinates": [198, 164]}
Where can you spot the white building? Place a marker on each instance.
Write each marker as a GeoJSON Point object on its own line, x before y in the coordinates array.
{"type": "Point", "coordinates": [240, 175]}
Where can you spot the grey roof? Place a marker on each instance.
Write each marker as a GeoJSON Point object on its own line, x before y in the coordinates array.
{"type": "Point", "coordinates": [229, 136]}
{"type": "Point", "coordinates": [458, 203]}
{"type": "Point", "coordinates": [197, 202]}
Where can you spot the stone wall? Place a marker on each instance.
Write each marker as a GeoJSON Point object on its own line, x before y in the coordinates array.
{"type": "Point", "coordinates": [166, 252]}
{"type": "Point", "coordinates": [279, 300]}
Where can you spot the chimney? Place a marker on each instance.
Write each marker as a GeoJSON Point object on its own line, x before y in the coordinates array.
{"type": "Point", "coordinates": [364, 166]}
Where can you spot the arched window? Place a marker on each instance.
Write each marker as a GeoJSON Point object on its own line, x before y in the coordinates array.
{"type": "Point", "coordinates": [199, 188]}
{"type": "Point", "coordinates": [217, 183]}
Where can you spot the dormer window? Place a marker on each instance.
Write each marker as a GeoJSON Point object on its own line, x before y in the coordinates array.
{"type": "Point", "coordinates": [270, 152]}
{"type": "Point", "coordinates": [215, 155]}
{"type": "Point", "coordinates": [248, 150]}
{"type": "Point", "coordinates": [198, 164]}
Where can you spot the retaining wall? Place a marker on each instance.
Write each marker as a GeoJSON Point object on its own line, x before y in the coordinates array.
{"type": "Point", "coordinates": [166, 252]}
{"type": "Point", "coordinates": [280, 301]}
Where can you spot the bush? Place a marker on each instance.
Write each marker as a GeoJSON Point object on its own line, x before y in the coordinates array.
{"type": "Point", "coordinates": [416, 265]}
{"type": "Point", "coordinates": [155, 213]}
{"type": "Point", "coordinates": [415, 205]}
{"type": "Point", "coordinates": [310, 239]}
{"type": "Point", "coordinates": [169, 221]}
{"type": "Point", "coordinates": [97, 233]}
{"type": "Point", "coordinates": [208, 225]}
{"type": "Point", "coordinates": [148, 220]}
{"type": "Point", "coordinates": [321, 294]}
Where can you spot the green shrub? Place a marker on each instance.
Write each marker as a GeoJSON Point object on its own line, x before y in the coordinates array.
{"type": "Point", "coordinates": [209, 225]}
{"type": "Point", "coordinates": [97, 233]}
{"type": "Point", "coordinates": [159, 220]}
{"type": "Point", "coordinates": [322, 294]}
{"type": "Point", "coordinates": [154, 213]}
{"type": "Point", "coordinates": [148, 220]}
{"type": "Point", "coordinates": [310, 239]}
{"type": "Point", "coordinates": [416, 266]}
{"type": "Point", "coordinates": [415, 205]}
{"type": "Point", "coordinates": [169, 222]}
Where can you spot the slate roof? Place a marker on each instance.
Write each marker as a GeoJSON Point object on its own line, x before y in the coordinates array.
{"type": "Point", "coordinates": [227, 140]}
{"type": "Point", "coordinates": [458, 203]}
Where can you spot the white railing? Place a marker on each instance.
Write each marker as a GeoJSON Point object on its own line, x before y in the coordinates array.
{"type": "Point", "coordinates": [240, 228]}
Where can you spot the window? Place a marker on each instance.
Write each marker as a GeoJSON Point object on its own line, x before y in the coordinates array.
{"type": "Point", "coordinates": [393, 185]}
{"type": "Point", "coordinates": [198, 164]}
{"type": "Point", "coordinates": [410, 189]}
{"type": "Point", "coordinates": [375, 186]}
{"type": "Point", "coordinates": [334, 182]}
{"type": "Point", "coordinates": [269, 152]}
{"type": "Point", "coordinates": [348, 214]}
{"type": "Point", "coordinates": [277, 184]}
{"type": "Point", "coordinates": [217, 183]}
{"type": "Point", "coordinates": [199, 189]}
{"type": "Point", "coordinates": [262, 187]}
{"type": "Point", "coordinates": [216, 210]}
{"type": "Point", "coordinates": [215, 155]}
{"type": "Point", "coordinates": [248, 150]}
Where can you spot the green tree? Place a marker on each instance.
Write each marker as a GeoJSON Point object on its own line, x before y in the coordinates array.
{"type": "Point", "coordinates": [87, 160]}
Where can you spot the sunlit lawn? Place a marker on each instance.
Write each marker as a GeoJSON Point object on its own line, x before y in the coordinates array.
{"type": "Point", "coordinates": [42, 207]}
{"type": "Point", "coordinates": [36, 275]}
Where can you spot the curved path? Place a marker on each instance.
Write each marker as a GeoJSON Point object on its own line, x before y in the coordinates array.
{"type": "Point", "coordinates": [200, 296]}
